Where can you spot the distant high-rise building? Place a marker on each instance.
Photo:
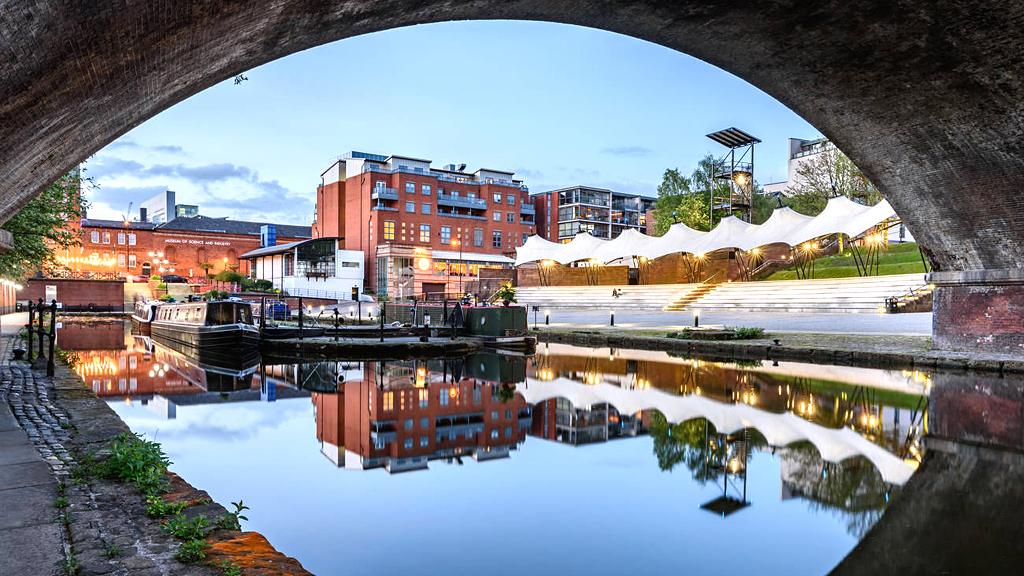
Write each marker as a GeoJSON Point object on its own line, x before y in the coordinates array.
{"type": "Point", "coordinates": [163, 208]}
{"type": "Point", "coordinates": [563, 213]}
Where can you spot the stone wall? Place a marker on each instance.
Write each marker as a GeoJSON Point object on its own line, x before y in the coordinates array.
{"type": "Point", "coordinates": [77, 295]}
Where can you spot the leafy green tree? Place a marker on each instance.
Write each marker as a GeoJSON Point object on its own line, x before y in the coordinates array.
{"type": "Point", "coordinates": [687, 199]}
{"type": "Point", "coordinates": [830, 173]}
{"type": "Point", "coordinates": [39, 227]}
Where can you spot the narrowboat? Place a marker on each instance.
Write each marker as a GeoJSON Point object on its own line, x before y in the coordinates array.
{"type": "Point", "coordinates": [142, 316]}
{"type": "Point", "coordinates": [221, 325]}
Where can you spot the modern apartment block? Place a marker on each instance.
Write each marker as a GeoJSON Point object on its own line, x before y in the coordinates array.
{"type": "Point", "coordinates": [563, 213]}
{"type": "Point", "coordinates": [800, 152]}
{"type": "Point", "coordinates": [423, 229]}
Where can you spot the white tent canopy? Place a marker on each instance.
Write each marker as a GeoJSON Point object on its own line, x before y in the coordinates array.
{"type": "Point", "coordinates": [785, 226]}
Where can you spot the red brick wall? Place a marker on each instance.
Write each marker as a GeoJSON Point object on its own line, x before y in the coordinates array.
{"type": "Point", "coordinates": [78, 294]}
{"type": "Point", "coordinates": [979, 317]}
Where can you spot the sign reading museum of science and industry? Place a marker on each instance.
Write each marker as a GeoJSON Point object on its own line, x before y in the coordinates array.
{"type": "Point", "coordinates": [196, 242]}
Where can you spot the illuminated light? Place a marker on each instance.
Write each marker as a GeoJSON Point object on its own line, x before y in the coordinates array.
{"type": "Point", "coordinates": [423, 264]}
{"type": "Point", "coordinates": [734, 465]}
{"type": "Point", "coordinates": [453, 392]}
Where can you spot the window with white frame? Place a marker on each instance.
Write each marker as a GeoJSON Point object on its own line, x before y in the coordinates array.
{"type": "Point", "coordinates": [424, 232]}
{"type": "Point", "coordinates": [94, 237]}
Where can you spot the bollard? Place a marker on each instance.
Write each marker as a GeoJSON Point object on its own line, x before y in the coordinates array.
{"type": "Point", "coordinates": [53, 337]}
{"type": "Point", "coordinates": [41, 331]}
{"type": "Point", "coordinates": [29, 327]}
{"type": "Point", "coordinates": [547, 317]}
{"type": "Point", "coordinates": [301, 312]}
{"type": "Point", "coordinates": [383, 312]}
{"type": "Point", "coordinates": [611, 319]}
{"type": "Point", "coordinates": [263, 315]}
{"type": "Point", "coordinates": [335, 322]}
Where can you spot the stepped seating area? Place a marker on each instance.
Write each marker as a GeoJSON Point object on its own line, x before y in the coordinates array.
{"type": "Point", "coordinates": [840, 295]}
{"type": "Point", "coordinates": [646, 297]}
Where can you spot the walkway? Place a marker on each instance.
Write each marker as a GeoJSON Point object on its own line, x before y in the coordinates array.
{"type": "Point", "coordinates": [31, 535]}
{"type": "Point", "coordinates": [888, 324]}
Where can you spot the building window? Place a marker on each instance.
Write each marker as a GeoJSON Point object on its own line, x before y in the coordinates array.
{"type": "Point", "coordinates": [424, 442]}
{"type": "Point", "coordinates": [510, 218]}
{"type": "Point", "coordinates": [526, 235]}
{"type": "Point", "coordinates": [410, 207]}
{"type": "Point", "coordinates": [131, 261]}
{"type": "Point", "coordinates": [424, 399]}
{"type": "Point", "coordinates": [494, 434]}
{"type": "Point", "coordinates": [426, 189]}
{"type": "Point", "coordinates": [497, 216]}
{"type": "Point", "coordinates": [496, 239]}
{"type": "Point", "coordinates": [511, 199]}
{"type": "Point", "coordinates": [497, 198]}
{"type": "Point", "coordinates": [446, 234]}
{"type": "Point", "coordinates": [94, 237]}
{"type": "Point", "coordinates": [508, 431]}
{"type": "Point", "coordinates": [106, 237]}
{"type": "Point", "coordinates": [408, 424]}
{"type": "Point", "coordinates": [424, 232]}
{"type": "Point", "coordinates": [131, 239]}
{"type": "Point", "coordinates": [424, 421]}
{"type": "Point", "coordinates": [120, 260]}
{"type": "Point", "coordinates": [389, 230]}
{"type": "Point", "coordinates": [410, 187]}
{"type": "Point", "coordinates": [478, 237]}
{"type": "Point", "coordinates": [408, 443]}
{"type": "Point", "coordinates": [425, 209]}
{"type": "Point", "coordinates": [120, 238]}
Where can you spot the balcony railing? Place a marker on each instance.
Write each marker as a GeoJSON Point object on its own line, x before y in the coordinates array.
{"type": "Point", "coordinates": [384, 194]}
{"type": "Point", "coordinates": [527, 208]}
{"type": "Point", "coordinates": [454, 215]}
{"type": "Point", "coordinates": [461, 201]}
{"type": "Point", "coordinates": [384, 208]}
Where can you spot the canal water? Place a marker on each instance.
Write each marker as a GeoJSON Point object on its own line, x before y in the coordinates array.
{"type": "Point", "coordinates": [574, 460]}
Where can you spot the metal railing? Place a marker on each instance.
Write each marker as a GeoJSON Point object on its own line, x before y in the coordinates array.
{"type": "Point", "coordinates": [461, 201]}
{"type": "Point", "coordinates": [526, 208]}
{"type": "Point", "coordinates": [454, 215]}
{"type": "Point", "coordinates": [38, 311]}
{"type": "Point", "coordinates": [384, 194]}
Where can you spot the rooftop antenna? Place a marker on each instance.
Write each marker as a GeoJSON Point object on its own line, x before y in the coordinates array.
{"type": "Point", "coordinates": [736, 168]}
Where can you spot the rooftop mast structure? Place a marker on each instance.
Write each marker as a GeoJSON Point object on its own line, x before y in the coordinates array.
{"type": "Point", "coordinates": [736, 171]}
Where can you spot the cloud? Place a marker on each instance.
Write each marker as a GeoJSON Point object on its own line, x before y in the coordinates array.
{"type": "Point", "coordinates": [133, 145]}
{"type": "Point", "coordinates": [203, 173]}
{"type": "Point", "coordinates": [628, 151]}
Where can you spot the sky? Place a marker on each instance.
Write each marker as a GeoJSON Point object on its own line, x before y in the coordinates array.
{"type": "Point", "coordinates": [560, 105]}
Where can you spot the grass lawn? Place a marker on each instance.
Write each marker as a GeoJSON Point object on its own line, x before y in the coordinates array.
{"type": "Point", "coordinates": [898, 259]}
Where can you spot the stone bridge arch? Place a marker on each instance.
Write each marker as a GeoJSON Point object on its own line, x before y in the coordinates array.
{"type": "Point", "coordinates": [926, 97]}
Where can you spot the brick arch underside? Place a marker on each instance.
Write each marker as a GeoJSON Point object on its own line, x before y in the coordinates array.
{"type": "Point", "coordinates": [927, 98]}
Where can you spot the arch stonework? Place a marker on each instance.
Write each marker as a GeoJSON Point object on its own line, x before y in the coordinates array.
{"type": "Point", "coordinates": [926, 97]}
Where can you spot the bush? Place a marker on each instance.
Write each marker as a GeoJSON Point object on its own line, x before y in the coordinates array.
{"type": "Point", "coordinates": [161, 286]}
{"type": "Point", "coordinates": [229, 276]}
{"type": "Point", "coordinates": [167, 298]}
{"type": "Point", "coordinates": [747, 333]}
{"type": "Point", "coordinates": [185, 528]}
{"type": "Point", "coordinates": [191, 552]}
{"type": "Point", "coordinates": [137, 461]}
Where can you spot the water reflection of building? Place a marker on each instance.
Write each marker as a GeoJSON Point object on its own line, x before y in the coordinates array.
{"type": "Point", "coordinates": [559, 420]}
{"type": "Point", "coordinates": [401, 415]}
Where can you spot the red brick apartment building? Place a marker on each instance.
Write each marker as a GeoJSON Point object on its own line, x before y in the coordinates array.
{"type": "Point", "coordinates": [422, 229]}
{"type": "Point", "coordinates": [136, 250]}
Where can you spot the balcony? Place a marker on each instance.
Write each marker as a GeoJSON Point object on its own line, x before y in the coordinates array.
{"type": "Point", "coordinates": [526, 208]}
{"type": "Point", "coordinates": [456, 215]}
{"type": "Point", "coordinates": [384, 208]}
{"type": "Point", "coordinates": [461, 201]}
{"type": "Point", "coordinates": [384, 194]}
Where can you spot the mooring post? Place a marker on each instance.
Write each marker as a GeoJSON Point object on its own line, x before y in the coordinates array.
{"type": "Point", "coordinates": [40, 329]}
{"type": "Point", "coordinates": [29, 327]}
{"type": "Point", "coordinates": [53, 337]}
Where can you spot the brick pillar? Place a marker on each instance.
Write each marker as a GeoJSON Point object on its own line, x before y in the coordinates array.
{"type": "Point", "coordinates": [979, 311]}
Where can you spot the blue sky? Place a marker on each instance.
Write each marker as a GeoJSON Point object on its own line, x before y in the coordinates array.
{"type": "Point", "coordinates": [559, 105]}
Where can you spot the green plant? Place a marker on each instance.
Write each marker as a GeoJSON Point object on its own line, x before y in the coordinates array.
{"type": "Point", "coordinates": [111, 550]}
{"type": "Point", "coordinates": [167, 298]}
{"type": "Point", "coordinates": [185, 528]}
{"type": "Point", "coordinates": [70, 566]}
{"type": "Point", "coordinates": [137, 461]}
{"type": "Point", "coordinates": [191, 551]}
{"type": "Point", "coordinates": [507, 294]}
{"type": "Point", "coordinates": [161, 286]}
{"type": "Point", "coordinates": [232, 520]}
{"type": "Point", "coordinates": [69, 357]}
{"type": "Point", "coordinates": [157, 507]}
{"type": "Point", "coordinates": [66, 518]}
{"type": "Point", "coordinates": [747, 333]}
{"type": "Point", "coordinates": [229, 568]}
{"type": "Point", "coordinates": [61, 502]}
{"type": "Point", "coordinates": [228, 276]}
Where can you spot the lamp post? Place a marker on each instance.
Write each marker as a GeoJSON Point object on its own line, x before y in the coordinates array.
{"type": "Point", "coordinates": [611, 318]}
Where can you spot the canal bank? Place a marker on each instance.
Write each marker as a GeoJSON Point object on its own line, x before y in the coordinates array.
{"type": "Point", "coordinates": [64, 518]}
{"type": "Point", "coordinates": [868, 351]}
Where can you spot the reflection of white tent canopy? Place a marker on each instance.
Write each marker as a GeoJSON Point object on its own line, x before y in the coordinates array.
{"type": "Point", "coordinates": [840, 216]}
{"type": "Point", "coordinates": [834, 445]}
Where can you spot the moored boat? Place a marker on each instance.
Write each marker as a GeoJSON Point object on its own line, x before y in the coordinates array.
{"type": "Point", "coordinates": [222, 325]}
{"type": "Point", "coordinates": [143, 316]}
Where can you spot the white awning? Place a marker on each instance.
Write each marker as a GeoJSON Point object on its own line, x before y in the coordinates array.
{"type": "Point", "coordinates": [785, 226]}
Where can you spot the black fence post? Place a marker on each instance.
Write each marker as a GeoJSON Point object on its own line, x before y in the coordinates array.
{"type": "Point", "coordinates": [383, 312]}
{"type": "Point", "coordinates": [336, 322]}
{"type": "Point", "coordinates": [263, 315]}
{"type": "Point", "coordinates": [30, 327]}
{"type": "Point", "coordinates": [359, 312]}
{"type": "Point", "coordinates": [53, 337]}
{"type": "Point", "coordinates": [41, 331]}
{"type": "Point", "coordinates": [302, 311]}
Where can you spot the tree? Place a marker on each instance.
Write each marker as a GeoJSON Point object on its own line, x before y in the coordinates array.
{"type": "Point", "coordinates": [829, 174]}
{"type": "Point", "coordinates": [688, 199]}
{"type": "Point", "coordinates": [40, 227]}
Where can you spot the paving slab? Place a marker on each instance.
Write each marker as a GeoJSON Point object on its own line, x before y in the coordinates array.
{"type": "Point", "coordinates": [7, 420]}
{"type": "Point", "coordinates": [28, 474]}
{"type": "Point", "coordinates": [28, 506]}
{"type": "Point", "coordinates": [30, 551]}
{"type": "Point", "coordinates": [18, 454]}
{"type": "Point", "coordinates": [13, 438]}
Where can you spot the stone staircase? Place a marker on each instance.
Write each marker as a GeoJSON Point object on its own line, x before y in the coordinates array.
{"type": "Point", "coordinates": [840, 295]}
{"type": "Point", "coordinates": [643, 297]}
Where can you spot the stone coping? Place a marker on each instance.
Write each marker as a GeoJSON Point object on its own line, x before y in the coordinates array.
{"type": "Point", "coordinates": [977, 277]}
